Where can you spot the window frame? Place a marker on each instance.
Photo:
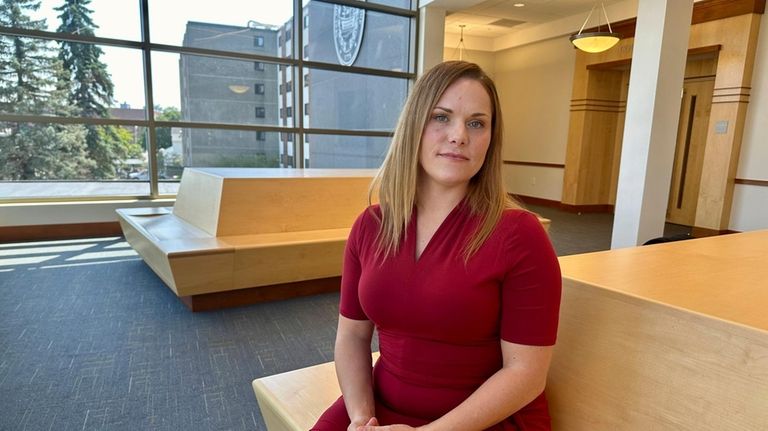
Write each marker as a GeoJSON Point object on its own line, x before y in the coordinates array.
{"type": "Point", "coordinates": [295, 63]}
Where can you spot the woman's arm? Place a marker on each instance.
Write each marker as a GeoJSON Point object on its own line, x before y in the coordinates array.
{"type": "Point", "coordinates": [520, 380]}
{"type": "Point", "coordinates": [352, 356]}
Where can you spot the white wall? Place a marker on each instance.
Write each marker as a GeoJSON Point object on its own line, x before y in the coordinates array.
{"type": "Point", "coordinates": [485, 59]}
{"type": "Point", "coordinates": [535, 83]}
{"type": "Point", "coordinates": [750, 202]}
{"type": "Point", "coordinates": [69, 212]}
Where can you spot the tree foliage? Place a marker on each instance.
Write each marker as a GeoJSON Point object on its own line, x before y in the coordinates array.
{"type": "Point", "coordinates": [89, 85]}
{"type": "Point", "coordinates": [164, 133]}
{"type": "Point", "coordinates": [29, 71]}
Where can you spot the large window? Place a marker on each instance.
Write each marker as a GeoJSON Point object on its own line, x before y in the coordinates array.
{"type": "Point", "coordinates": [114, 99]}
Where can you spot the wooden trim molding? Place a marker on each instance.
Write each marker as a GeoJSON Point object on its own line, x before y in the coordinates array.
{"type": "Point", "coordinates": [58, 231]}
{"type": "Point", "coordinates": [531, 200]}
{"type": "Point", "coordinates": [703, 232]}
{"type": "Point", "coordinates": [578, 209]}
{"type": "Point", "coordinates": [744, 181]}
{"type": "Point", "coordinates": [535, 164]}
{"type": "Point", "coordinates": [703, 11]}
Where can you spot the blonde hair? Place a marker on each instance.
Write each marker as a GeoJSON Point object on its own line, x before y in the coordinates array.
{"type": "Point", "coordinates": [396, 181]}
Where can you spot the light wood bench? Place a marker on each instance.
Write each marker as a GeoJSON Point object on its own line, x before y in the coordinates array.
{"type": "Point", "coordinates": [671, 337]}
{"type": "Point", "coordinates": [230, 230]}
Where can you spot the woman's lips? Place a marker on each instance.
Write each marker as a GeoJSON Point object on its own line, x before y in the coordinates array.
{"type": "Point", "coordinates": [453, 156]}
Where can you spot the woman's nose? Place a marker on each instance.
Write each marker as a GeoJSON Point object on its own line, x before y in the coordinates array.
{"type": "Point", "coordinates": [458, 134]}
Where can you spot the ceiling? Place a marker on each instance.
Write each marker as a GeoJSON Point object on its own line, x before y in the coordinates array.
{"type": "Point", "coordinates": [496, 18]}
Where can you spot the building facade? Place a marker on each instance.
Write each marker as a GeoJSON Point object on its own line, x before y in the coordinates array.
{"type": "Point", "coordinates": [227, 91]}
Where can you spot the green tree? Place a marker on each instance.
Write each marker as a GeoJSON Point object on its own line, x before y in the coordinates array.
{"type": "Point", "coordinates": [90, 85]}
{"type": "Point", "coordinates": [164, 133]}
{"type": "Point", "coordinates": [29, 71]}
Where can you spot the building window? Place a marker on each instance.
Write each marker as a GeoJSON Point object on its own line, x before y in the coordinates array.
{"type": "Point", "coordinates": [200, 130]}
{"type": "Point", "coordinates": [282, 113]}
{"type": "Point", "coordinates": [261, 136]}
{"type": "Point", "coordinates": [306, 51]}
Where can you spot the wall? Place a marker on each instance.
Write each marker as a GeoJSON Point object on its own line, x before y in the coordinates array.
{"type": "Point", "coordinates": [484, 59]}
{"type": "Point", "coordinates": [535, 83]}
{"type": "Point", "coordinates": [750, 202]}
{"type": "Point", "coordinates": [51, 213]}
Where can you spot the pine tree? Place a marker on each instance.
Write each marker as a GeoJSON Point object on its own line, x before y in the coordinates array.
{"type": "Point", "coordinates": [90, 85]}
{"type": "Point", "coordinates": [29, 71]}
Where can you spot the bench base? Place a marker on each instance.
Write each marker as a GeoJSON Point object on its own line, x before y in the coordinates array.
{"type": "Point", "coordinates": [255, 295]}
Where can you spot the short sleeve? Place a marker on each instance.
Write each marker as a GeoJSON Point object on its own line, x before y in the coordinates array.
{"type": "Point", "coordinates": [349, 304]}
{"type": "Point", "coordinates": [532, 285]}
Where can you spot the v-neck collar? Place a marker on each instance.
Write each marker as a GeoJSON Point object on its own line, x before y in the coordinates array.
{"type": "Point", "coordinates": [413, 227]}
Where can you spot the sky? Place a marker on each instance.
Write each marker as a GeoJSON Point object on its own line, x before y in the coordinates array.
{"type": "Point", "coordinates": [119, 19]}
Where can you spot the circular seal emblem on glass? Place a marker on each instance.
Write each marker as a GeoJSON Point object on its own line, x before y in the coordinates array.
{"type": "Point", "coordinates": [348, 25]}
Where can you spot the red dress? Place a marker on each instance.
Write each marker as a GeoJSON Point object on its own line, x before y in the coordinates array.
{"type": "Point", "coordinates": [439, 320]}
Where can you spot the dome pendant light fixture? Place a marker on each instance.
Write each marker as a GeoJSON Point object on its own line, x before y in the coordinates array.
{"type": "Point", "coordinates": [596, 41]}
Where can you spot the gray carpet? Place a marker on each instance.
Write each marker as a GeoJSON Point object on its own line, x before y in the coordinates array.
{"type": "Point", "coordinates": [91, 339]}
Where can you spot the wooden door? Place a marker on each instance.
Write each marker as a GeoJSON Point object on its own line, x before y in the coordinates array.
{"type": "Point", "coordinates": [689, 153]}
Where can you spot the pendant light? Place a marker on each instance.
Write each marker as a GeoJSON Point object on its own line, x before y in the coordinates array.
{"type": "Point", "coordinates": [596, 41]}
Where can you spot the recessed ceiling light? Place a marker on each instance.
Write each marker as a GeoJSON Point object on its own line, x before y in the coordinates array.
{"type": "Point", "coordinates": [518, 4]}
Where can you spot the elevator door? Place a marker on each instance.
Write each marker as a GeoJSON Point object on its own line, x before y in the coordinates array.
{"type": "Point", "coordinates": [689, 152]}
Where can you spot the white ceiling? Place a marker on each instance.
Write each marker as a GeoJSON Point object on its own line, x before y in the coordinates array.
{"type": "Point", "coordinates": [496, 18]}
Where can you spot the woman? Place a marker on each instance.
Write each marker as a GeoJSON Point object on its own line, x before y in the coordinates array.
{"type": "Point", "coordinates": [462, 285]}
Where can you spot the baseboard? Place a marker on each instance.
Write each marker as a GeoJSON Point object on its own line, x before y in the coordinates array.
{"type": "Point", "coordinates": [702, 232]}
{"type": "Point", "coordinates": [603, 208]}
{"type": "Point", "coordinates": [58, 231]}
{"type": "Point", "coordinates": [254, 295]}
{"type": "Point", "coordinates": [597, 208]}
{"type": "Point", "coordinates": [537, 201]}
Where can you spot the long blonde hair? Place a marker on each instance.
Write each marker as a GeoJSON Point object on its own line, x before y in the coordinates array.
{"type": "Point", "coordinates": [395, 182]}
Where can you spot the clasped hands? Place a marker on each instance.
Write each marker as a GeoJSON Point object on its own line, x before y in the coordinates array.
{"type": "Point", "coordinates": [373, 425]}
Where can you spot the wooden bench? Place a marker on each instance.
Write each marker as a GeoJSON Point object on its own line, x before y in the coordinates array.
{"type": "Point", "coordinates": [239, 235]}
{"type": "Point", "coordinates": [671, 337]}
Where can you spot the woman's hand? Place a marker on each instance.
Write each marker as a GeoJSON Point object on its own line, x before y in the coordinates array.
{"type": "Point", "coordinates": [373, 425]}
{"type": "Point", "coordinates": [361, 425]}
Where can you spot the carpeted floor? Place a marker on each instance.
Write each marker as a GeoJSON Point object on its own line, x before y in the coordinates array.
{"type": "Point", "coordinates": [91, 339]}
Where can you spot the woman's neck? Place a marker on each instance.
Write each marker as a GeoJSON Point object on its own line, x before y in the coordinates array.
{"type": "Point", "coordinates": [431, 197]}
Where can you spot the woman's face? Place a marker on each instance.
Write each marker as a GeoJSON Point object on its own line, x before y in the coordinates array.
{"type": "Point", "coordinates": [457, 135]}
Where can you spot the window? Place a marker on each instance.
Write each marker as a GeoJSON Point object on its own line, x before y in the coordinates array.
{"type": "Point", "coordinates": [198, 99]}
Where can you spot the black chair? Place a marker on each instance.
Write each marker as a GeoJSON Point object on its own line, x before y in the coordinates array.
{"type": "Point", "coordinates": [663, 239]}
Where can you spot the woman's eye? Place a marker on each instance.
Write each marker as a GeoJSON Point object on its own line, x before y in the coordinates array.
{"type": "Point", "coordinates": [475, 124]}
{"type": "Point", "coordinates": [440, 117]}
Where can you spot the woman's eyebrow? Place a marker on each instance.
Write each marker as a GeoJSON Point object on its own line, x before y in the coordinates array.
{"type": "Point", "coordinates": [450, 111]}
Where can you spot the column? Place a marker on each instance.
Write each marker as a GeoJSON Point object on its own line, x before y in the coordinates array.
{"type": "Point", "coordinates": [653, 108]}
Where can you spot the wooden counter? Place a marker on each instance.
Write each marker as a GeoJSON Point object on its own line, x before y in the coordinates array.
{"type": "Point", "coordinates": [671, 336]}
